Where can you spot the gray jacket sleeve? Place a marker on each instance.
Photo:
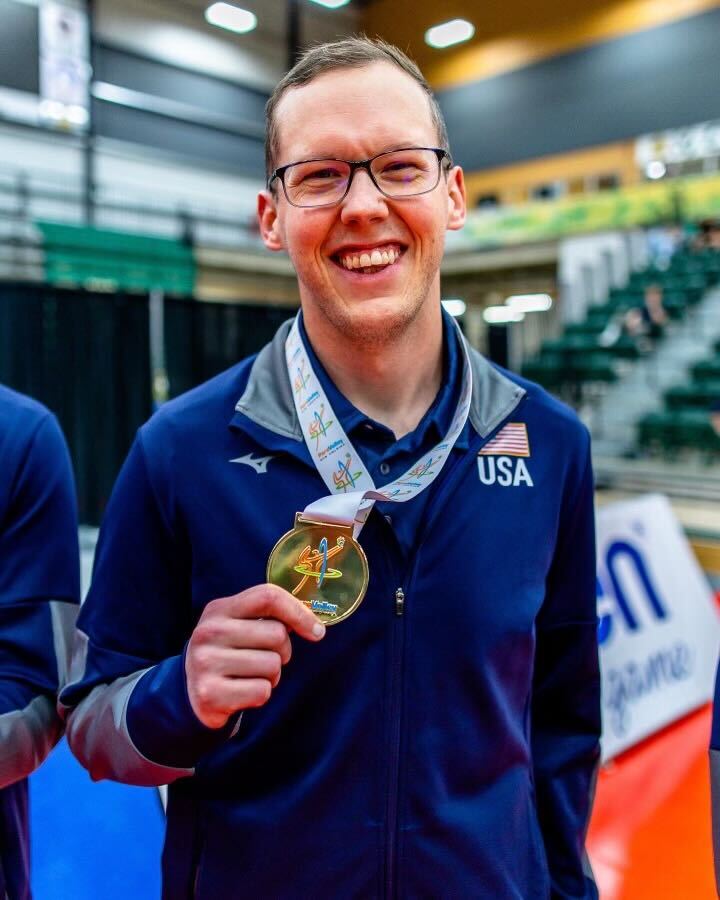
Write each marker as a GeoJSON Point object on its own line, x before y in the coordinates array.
{"type": "Point", "coordinates": [39, 585]}
{"type": "Point", "coordinates": [28, 733]}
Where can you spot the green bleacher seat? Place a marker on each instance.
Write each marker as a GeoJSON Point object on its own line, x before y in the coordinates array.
{"type": "Point", "coordinates": [624, 348]}
{"type": "Point", "coordinates": [588, 327]}
{"type": "Point", "coordinates": [675, 304]}
{"type": "Point", "coordinates": [707, 369]}
{"type": "Point", "coordinates": [547, 370]}
{"type": "Point", "coordinates": [596, 368]}
{"type": "Point", "coordinates": [671, 431]}
{"type": "Point", "coordinates": [696, 395]}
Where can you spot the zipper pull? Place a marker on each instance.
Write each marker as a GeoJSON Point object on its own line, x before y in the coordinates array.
{"type": "Point", "coordinates": [399, 601]}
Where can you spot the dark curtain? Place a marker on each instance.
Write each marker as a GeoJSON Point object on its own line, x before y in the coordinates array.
{"type": "Point", "coordinates": [86, 356]}
{"type": "Point", "coordinates": [202, 339]}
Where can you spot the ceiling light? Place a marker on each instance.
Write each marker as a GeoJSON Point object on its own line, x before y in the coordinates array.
{"type": "Point", "coordinates": [448, 33]}
{"type": "Point", "coordinates": [225, 15]}
{"type": "Point", "coordinates": [527, 303]}
{"type": "Point", "coordinates": [501, 315]}
{"type": "Point", "coordinates": [454, 306]}
{"type": "Point", "coordinates": [656, 169]}
{"type": "Point", "coordinates": [331, 4]}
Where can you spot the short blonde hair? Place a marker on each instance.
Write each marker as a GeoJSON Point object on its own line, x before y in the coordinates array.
{"type": "Point", "coordinates": [349, 53]}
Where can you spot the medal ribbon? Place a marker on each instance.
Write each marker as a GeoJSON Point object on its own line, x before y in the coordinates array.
{"type": "Point", "coordinates": [352, 490]}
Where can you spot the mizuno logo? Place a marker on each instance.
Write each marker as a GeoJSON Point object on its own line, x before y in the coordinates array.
{"type": "Point", "coordinates": [260, 464]}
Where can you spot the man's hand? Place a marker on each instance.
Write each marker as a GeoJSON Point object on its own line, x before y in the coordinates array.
{"type": "Point", "coordinates": [238, 648]}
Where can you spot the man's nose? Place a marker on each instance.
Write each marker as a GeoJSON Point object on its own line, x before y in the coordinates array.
{"type": "Point", "coordinates": [363, 201]}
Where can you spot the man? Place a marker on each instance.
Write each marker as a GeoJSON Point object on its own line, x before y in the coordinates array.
{"type": "Point", "coordinates": [39, 593]}
{"type": "Point", "coordinates": [441, 740]}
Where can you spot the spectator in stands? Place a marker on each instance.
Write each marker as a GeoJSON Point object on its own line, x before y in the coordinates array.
{"type": "Point", "coordinates": [655, 317]}
{"type": "Point", "coordinates": [663, 243]}
{"type": "Point", "coordinates": [39, 593]}
{"type": "Point", "coordinates": [714, 236]}
{"type": "Point", "coordinates": [442, 741]}
{"type": "Point", "coordinates": [630, 322]}
{"type": "Point", "coordinates": [708, 237]}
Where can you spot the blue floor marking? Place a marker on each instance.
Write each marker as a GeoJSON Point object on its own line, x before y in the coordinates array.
{"type": "Point", "coordinates": [92, 840]}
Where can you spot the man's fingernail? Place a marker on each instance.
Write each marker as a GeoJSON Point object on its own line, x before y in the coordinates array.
{"type": "Point", "coordinates": [318, 629]}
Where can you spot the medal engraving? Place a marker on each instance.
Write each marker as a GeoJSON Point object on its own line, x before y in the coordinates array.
{"type": "Point", "coordinates": [322, 565]}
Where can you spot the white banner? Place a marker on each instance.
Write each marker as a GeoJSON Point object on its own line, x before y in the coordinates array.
{"type": "Point", "coordinates": [679, 144]}
{"type": "Point", "coordinates": [64, 64]}
{"type": "Point", "coordinates": [659, 629]}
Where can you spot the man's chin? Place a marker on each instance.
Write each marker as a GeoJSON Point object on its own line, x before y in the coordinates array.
{"type": "Point", "coordinates": [373, 321]}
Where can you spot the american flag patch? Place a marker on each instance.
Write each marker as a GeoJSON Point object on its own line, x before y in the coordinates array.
{"type": "Point", "coordinates": [512, 440]}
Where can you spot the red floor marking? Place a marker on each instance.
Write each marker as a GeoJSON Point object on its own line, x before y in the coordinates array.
{"type": "Point", "coordinates": [650, 836]}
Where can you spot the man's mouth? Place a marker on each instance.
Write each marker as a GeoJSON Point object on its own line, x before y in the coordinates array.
{"type": "Point", "coordinates": [369, 260]}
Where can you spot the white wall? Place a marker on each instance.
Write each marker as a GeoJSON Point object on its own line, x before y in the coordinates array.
{"type": "Point", "coordinates": [584, 275]}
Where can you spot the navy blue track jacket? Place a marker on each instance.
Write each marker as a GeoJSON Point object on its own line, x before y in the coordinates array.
{"type": "Point", "coordinates": [445, 748]}
{"type": "Point", "coordinates": [39, 593]}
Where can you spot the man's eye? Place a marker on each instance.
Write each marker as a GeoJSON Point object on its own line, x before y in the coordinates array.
{"type": "Point", "coordinates": [321, 174]}
{"type": "Point", "coordinates": [401, 170]}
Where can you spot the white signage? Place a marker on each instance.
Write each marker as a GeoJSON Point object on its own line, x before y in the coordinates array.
{"type": "Point", "coordinates": [658, 626]}
{"type": "Point", "coordinates": [679, 145]}
{"type": "Point", "coordinates": [64, 64]}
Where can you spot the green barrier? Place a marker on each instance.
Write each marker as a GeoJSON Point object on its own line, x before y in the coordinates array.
{"type": "Point", "coordinates": [116, 260]}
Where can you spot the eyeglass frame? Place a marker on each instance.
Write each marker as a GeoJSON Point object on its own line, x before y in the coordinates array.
{"type": "Point", "coordinates": [279, 173]}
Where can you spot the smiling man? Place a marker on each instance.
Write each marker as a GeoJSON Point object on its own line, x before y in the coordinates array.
{"type": "Point", "coordinates": [440, 739]}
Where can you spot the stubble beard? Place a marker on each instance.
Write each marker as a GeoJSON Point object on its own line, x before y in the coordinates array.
{"type": "Point", "coordinates": [365, 326]}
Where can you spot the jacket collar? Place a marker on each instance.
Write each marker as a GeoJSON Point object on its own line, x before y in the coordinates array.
{"type": "Point", "coordinates": [267, 399]}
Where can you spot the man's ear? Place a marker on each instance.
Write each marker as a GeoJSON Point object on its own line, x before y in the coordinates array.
{"type": "Point", "coordinates": [457, 205]}
{"type": "Point", "coordinates": [270, 229]}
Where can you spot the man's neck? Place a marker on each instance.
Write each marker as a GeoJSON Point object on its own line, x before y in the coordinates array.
{"type": "Point", "coordinates": [394, 383]}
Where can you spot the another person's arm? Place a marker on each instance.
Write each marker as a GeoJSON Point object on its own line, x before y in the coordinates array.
{"type": "Point", "coordinates": [566, 695]}
{"type": "Point", "coordinates": [39, 593]}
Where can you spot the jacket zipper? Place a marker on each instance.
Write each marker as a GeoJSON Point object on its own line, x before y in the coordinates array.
{"type": "Point", "coordinates": [449, 484]}
{"type": "Point", "coordinates": [395, 745]}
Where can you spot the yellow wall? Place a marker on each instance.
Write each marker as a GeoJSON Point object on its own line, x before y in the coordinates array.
{"type": "Point", "coordinates": [514, 33]}
{"type": "Point", "coordinates": [514, 182]}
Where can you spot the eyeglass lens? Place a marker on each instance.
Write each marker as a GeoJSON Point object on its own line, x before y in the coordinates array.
{"type": "Point", "coordinates": [401, 173]}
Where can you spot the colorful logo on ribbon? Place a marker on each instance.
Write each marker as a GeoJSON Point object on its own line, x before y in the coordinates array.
{"type": "Point", "coordinates": [301, 379]}
{"type": "Point", "coordinates": [318, 427]}
{"type": "Point", "coordinates": [344, 478]}
{"type": "Point", "coordinates": [419, 471]}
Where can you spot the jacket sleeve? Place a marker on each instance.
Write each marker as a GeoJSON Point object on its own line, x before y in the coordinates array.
{"type": "Point", "coordinates": [39, 593]}
{"type": "Point", "coordinates": [127, 709]}
{"type": "Point", "coordinates": [566, 692]}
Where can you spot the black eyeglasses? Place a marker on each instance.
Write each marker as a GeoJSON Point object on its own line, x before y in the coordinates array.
{"type": "Point", "coordinates": [396, 174]}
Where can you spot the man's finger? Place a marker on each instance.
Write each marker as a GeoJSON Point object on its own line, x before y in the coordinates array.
{"type": "Point", "coordinates": [240, 634]}
{"type": "Point", "coordinates": [229, 663]}
{"type": "Point", "coordinates": [268, 601]}
{"type": "Point", "coordinates": [235, 694]}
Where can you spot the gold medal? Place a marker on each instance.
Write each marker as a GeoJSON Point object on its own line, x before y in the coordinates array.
{"type": "Point", "coordinates": [322, 565]}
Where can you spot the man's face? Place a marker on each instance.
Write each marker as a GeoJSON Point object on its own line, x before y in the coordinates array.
{"type": "Point", "coordinates": [353, 114]}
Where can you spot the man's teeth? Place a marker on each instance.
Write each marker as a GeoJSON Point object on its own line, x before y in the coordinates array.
{"type": "Point", "coordinates": [365, 260]}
